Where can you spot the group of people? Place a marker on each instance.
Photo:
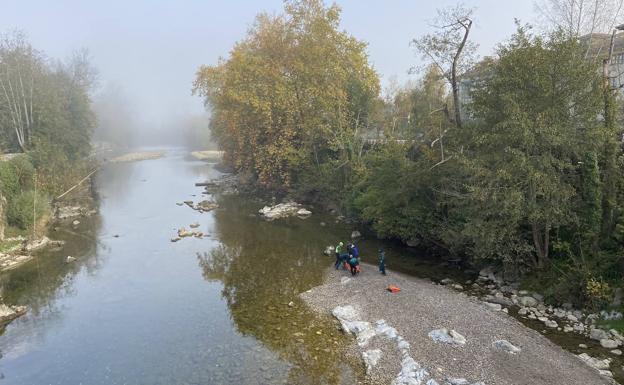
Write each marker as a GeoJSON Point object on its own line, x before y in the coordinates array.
{"type": "Point", "coordinates": [350, 256]}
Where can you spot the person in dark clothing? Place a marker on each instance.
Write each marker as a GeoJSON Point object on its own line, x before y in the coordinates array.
{"type": "Point", "coordinates": [354, 251]}
{"type": "Point", "coordinates": [353, 264]}
{"type": "Point", "coordinates": [382, 261]}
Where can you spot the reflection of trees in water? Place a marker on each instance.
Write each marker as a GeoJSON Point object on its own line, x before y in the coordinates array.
{"type": "Point", "coordinates": [258, 288]}
{"type": "Point", "coordinates": [38, 283]}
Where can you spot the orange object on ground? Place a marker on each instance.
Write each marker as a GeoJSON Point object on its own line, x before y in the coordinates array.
{"type": "Point", "coordinates": [393, 289]}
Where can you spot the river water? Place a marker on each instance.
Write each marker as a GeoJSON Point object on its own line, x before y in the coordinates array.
{"type": "Point", "coordinates": [135, 308]}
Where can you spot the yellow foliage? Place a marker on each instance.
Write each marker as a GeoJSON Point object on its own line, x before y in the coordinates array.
{"type": "Point", "coordinates": [293, 86]}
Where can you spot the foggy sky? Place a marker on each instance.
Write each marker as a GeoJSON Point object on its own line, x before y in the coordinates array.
{"type": "Point", "coordinates": [152, 48]}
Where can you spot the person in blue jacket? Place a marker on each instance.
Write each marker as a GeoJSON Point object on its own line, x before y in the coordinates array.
{"type": "Point", "coordinates": [382, 261]}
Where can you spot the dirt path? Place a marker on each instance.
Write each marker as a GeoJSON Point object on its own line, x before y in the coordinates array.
{"type": "Point", "coordinates": [400, 351]}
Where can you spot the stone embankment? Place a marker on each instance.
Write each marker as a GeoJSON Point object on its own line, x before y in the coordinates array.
{"type": "Point", "coordinates": [432, 334]}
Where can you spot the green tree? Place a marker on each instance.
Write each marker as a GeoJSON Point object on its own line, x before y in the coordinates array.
{"type": "Point", "coordinates": [537, 118]}
{"type": "Point", "coordinates": [292, 97]}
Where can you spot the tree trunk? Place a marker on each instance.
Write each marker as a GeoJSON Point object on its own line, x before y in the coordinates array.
{"type": "Point", "coordinates": [454, 84]}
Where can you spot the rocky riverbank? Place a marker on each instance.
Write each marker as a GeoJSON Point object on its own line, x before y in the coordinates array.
{"type": "Point", "coordinates": [432, 334]}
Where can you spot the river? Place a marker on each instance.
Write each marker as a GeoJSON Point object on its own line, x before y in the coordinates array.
{"type": "Point", "coordinates": [135, 308]}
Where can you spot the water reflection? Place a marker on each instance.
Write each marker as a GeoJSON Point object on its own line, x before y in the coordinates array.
{"type": "Point", "coordinates": [263, 267]}
{"type": "Point", "coordinates": [49, 277]}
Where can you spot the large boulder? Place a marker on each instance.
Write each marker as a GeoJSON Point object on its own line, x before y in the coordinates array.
{"type": "Point", "coordinates": [284, 210]}
{"type": "Point", "coordinates": [598, 334]}
{"type": "Point", "coordinates": [527, 301]}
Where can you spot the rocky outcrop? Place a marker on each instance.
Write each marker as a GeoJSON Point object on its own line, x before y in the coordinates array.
{"type": "Point", "coordinates": [66, 212]}
{"type": "Point", "coordinates": [284, 210]}
{"type": "Point", "coordinates": [9, 313]}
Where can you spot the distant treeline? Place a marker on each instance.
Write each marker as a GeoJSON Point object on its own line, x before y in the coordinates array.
{"type": "Point", "coordinates": [527, 174]}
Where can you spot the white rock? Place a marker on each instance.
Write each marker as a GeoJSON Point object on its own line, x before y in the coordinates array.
{"type": "Point", "coordinates": [609, 343]}
{"type": "Point", "coordinates": [457, 287]}
{"type": "Point", "coordinates": [617, 352]}
{"type": "Point", "coordinates": [381, 327]}
{"type": "Point", "coordinates": [345, 280]}
{"type": "Point", "coordinates": [527, 301]}
{"type": "Point", "coordinates": [582, 346]}
{"type": "Point", "coordinates": [76, 222]}
{"type": "Point", "coordinates": [457, 381]}
{"type": "Point", "coordinates": [446, 336]}
{"type": "Point", "coordinates": [551, 324]}
{"type": "Point", "coordinates": [594, 362]}
{"type": "Point", "coordinates": [303, 213]}
{"type": "Point", "coordinates": [493, 306]}
{"type": "Point", "coordinates": [572, 318]}
{"type": "Point", "coordinates": [506, 346]}
{"type": "Point", "coordinates": [371, 358]}
{"type": "Point", "coordinates": [355, 234]}
{"type": "Point", "coordinates": [606, 373]}
{"type": "Point", "coordinates": [567, 329]}
{"type": "Point", "coordinates": [69, 259]}
{"type": "Point", "coordinates": [598, 334]}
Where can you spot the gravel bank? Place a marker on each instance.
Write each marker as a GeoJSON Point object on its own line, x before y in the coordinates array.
{"type": "Point", "coordinates": [421, 307]}
{"type": "Point", "coordinates": [136, 156]}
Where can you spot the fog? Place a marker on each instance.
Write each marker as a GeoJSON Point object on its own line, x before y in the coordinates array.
{"type": "Point", "coordinates": [147, 52]}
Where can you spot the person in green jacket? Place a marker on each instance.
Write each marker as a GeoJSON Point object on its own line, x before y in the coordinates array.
{"type": "Point", "coordinates": [339, 252]}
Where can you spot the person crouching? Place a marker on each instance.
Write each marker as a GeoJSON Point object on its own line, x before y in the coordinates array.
{"type": "Point", "coordinates": [354, 264]}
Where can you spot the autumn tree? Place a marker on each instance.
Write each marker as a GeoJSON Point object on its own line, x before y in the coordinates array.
{"type": "Point", "coordinates": [293, 95]}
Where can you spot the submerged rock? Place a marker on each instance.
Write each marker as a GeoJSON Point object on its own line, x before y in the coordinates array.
{"type": "Point", "coordinates": [206, 205]}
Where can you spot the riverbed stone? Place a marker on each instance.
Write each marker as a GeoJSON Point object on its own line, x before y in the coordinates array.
{"type": "Point", "coordinates": [595, 362]}
{"type": "Point", "coordinates": [447, 336]}
{"type": "Point", "coordinates": [355, 234]}
{"type": "Point", "coordinates": [494, 306]}
{"type": "Point", "coordinates": [527, 301]}
{"type": "Point", "coordinates": [616, 352]}
{"type": "Point", "coordinates": [598, 334]}
{"type": "Point", "coordinates": [499, 300]}
{"type": "Point", "coordinates": [551, 323]}
{"type": "Point", "coordinates": [609, 343]}
{"type": "Point", "coordinates": [506, 346]}
{"type": "Point", "coordinates": [8, 313]}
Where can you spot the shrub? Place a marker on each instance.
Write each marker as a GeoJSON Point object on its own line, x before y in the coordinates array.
{"type": "Point", "coordinates": [597, 293]}
{"type": "Point", "coordinates": [20, 211]}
